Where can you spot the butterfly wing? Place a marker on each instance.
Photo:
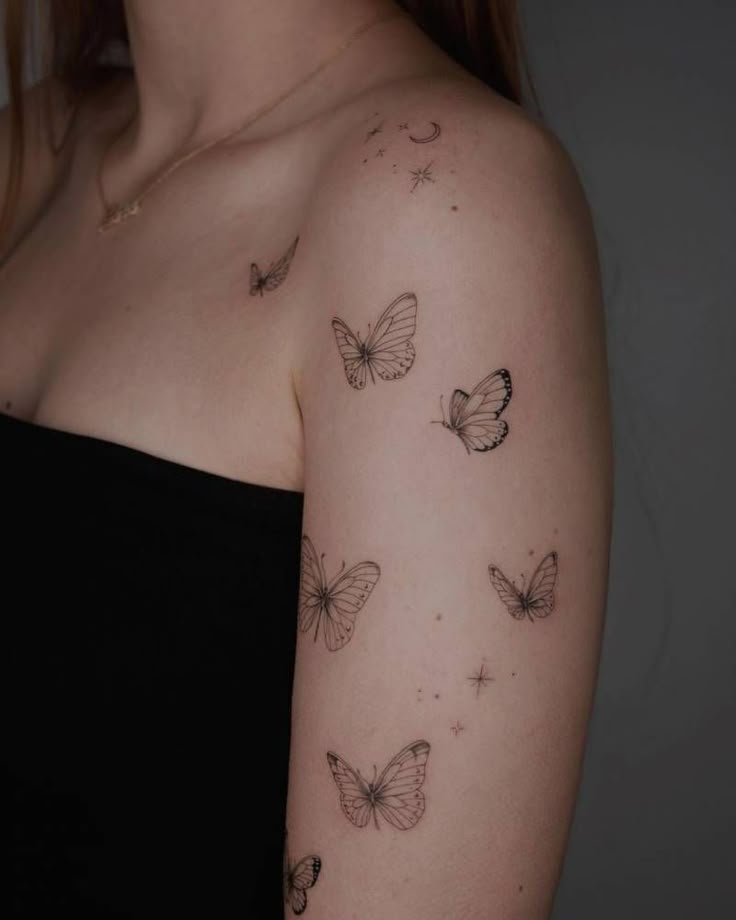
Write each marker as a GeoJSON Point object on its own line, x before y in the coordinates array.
{"type": "Point", "coordinates": [311, 586]}
{"type": "Point", "coordinates": [491, 395]}
{"type": "Point", "coordinates": [256, 281]}
{"type": "Point", "coordinates": [354, 791]}
{"type": "Point", "coordinates": [458, 401]}
{"type": "Point", "coordinates": [287, 867]}
{"type": "Point", "coordinates": [280, 268]}
{"type": "Point", "coordinates": [297, 899]}
{"type": "Point", "coordinates": [389, 347]}
{"type": "Point", "coordinates": [351, 353]}
{"type": "Point", "coordinates": [540, 596]}
{"type": "Point", "coordinates": [512, 598]}
{"type": "Point", "coordinates": [475, 416]}
{"type": "Point", "coordinates": [301, 878]}
{"type": "Point", "coordinates": [398, 794]}
{"type": "Point", "coordinates": [345, 597]}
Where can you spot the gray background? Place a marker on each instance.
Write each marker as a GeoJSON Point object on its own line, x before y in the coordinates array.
{"type": "Point", "coordinates": [641, 93]}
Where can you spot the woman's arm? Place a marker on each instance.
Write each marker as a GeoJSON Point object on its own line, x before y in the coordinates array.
{"type": "Point", "coordinates": [453, 577]}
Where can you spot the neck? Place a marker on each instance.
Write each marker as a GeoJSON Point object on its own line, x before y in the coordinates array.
{"type": "Point", "coordinates": [201, 67]}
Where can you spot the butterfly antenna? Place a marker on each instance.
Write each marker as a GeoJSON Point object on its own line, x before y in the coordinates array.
{"type": "Point", "coordinates": [444, 420]}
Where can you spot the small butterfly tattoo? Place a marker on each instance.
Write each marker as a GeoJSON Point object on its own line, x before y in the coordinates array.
{"type": "Point", "coordinates": [298, 879]}
{"type": "Point", "coordinates": [387, 351]}
{"type": "Point", "coordinates": [538, 600]}
{"type": "Point", "coordinates": [276, 274]}
{"type": "Point", "coordinates": [395, 795]}
{"type": "Point", "coordinates": [333, 604]}
{"type": "Point", "coordinates": [474, 416]}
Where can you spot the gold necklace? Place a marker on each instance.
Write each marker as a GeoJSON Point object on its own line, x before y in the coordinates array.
{"type": "Point", "coordinates": [118, 213]}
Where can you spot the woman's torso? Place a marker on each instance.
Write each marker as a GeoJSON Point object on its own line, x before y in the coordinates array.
{"type": "Point", "coordinates": [149, 668]}
{"type": "Point", "coordinates": [148, 334]}
{"type": "Point", "coordinates": [148, 408]}
{"type": "Point", "coordinates": [156, 571]}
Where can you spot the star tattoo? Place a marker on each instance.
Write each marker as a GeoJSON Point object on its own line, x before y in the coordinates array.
{"type": "Point", "coordinates": [456, 728]}
{"type": "Point", "coordinates": [380, 152]}
{"type": "Point", "coordinates": [373, 132]}
{"type": "Point", "coordinates": [404, 126]}
{"type": "Point", "coordinates": [480, 679]}
{"type": "Point", "coordinates": [420, 176]}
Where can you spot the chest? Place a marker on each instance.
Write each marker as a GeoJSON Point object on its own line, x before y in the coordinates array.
{"type": "Point", "coordinates": [172, 332]}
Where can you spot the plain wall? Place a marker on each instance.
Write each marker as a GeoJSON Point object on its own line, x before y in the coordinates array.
{"type": "Point", "coordinates": [641, 92]}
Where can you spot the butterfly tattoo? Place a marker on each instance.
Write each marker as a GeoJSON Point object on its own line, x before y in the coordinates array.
{"type": "Point", "coordinates": [538, 600]}
{"type": "Point", "coordinates": [474, 416]}
{"type": "Point", "coordinates": [387, 351]}
{"type": "Point", "coordinates": [276, 274]}
{"type": "Point", "coordinates": [334, 604]}
{"type": "Point", "coordinates": [396, 795]}
{"type": "Point", "coordinates": [298, 879]}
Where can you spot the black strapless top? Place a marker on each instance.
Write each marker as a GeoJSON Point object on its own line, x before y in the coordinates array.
{"type": "Point", "coordinates": [150, 616]}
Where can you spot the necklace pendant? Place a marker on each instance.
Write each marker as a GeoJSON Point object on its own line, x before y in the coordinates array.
{"type": "Point", "coordinates": [119, 214]}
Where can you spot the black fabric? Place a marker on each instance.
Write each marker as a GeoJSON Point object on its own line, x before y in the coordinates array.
{"type": "Point", "coordinates": [149, 618]}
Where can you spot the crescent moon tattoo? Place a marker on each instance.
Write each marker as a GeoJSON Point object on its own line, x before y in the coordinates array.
{"type": "Point", "coordinates": [436, 131]}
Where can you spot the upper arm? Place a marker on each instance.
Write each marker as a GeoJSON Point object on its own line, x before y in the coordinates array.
{"type": "Point", "coordinates": [499, 255]}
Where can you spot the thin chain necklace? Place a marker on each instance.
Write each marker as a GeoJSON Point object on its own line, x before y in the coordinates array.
{"type": "Point", "coordinates": [116, 214]}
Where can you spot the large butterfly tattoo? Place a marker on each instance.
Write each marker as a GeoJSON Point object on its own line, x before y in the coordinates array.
{"type": "Point", "coordinates": [396, 795]}
{"type": "Point", "coordinates": [334, 604]}
{"type": "Point", "coordinates": [474, 416]}
{"type": "Point", "coordinates": [538, 600]}
{"type": "Point", "coordinates": [298, 879]}
{"type": "Point", "coordinates": [270, 280]}
{"type": "Point", "coordinates": [387, 351]}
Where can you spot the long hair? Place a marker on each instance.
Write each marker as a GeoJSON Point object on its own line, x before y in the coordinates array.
{"type": "Point", "coordinates": [484, 36]}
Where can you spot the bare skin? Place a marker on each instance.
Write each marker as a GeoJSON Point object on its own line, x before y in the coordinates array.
{"type": "Point", "coordinates": [416, 207]}
{"type": "Point", "coordinates": [149, 338]}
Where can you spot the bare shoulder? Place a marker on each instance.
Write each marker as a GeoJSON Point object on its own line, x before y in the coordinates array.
{"type": "Point", "coordinates": [449, 190]}
{"type": "Point", "coordinates": [450, 137]}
